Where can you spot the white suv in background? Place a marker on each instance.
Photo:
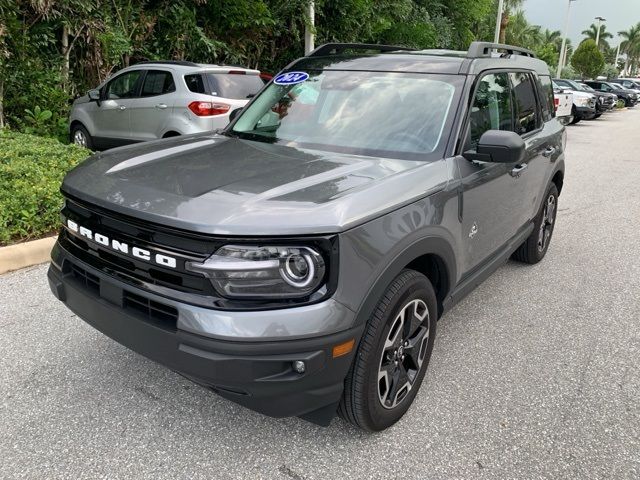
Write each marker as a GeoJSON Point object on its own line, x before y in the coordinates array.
{"type": "Point", "coordinates": [152, 100]}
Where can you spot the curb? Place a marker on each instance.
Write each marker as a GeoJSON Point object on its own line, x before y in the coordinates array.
{"type": "Point", "coordinates": [27, 254]}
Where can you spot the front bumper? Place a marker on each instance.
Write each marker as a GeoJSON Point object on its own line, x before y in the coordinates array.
{"type": "Point", "coordinates": [585, 112]}
{"type": "Point", "coordinates": [258, 375]}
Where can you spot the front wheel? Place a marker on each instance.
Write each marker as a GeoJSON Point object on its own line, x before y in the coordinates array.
{"type": "Point", "coordinates": [81, 137]}
{"type": "Point", "coordinates": [393, 354]}
{"type": "Point", "coordinates": [535, 247]}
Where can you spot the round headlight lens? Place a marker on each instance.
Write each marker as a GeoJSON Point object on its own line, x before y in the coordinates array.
{"type": "Point", "coordinates": [298, 270]}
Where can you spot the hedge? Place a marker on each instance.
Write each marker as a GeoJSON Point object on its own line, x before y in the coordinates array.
{"type": "Point", "coordinates": [31, 170]}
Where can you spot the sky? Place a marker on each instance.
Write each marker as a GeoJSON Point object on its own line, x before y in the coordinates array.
{"type": "Point", "coordinates": [620, 15]}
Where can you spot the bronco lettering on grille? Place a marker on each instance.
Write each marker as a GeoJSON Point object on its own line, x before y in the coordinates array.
{"type": "Point", "coordinates": [122, 247]}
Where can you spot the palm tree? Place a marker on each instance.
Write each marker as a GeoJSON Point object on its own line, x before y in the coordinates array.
{"type": "Point", "coordinates": [592, 33]}
{"type": "Point", "coordinates": [521, 33]}
{"type": "Point", "coordinates": [552, 37]}
{"type": "Point", "coordinates": [509, 7]}
{"type": "Point", "coordinates": [631, 47]}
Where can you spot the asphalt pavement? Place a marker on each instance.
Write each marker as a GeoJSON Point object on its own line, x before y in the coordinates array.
{"type": "Point", "coordinates": [536, 374]}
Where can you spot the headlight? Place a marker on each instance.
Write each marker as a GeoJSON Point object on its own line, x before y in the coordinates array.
{"type": "Point", "coordinates": [582, 101]}
{"type": "Point", "coordinates": [243, 271]}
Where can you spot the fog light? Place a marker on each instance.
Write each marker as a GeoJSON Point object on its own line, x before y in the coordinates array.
{"type": "Point", "coordinates": [299, 366]}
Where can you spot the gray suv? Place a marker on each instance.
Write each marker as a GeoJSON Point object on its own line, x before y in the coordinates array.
{"type": "Point", "coordinates": [152, 100]}
{"type": "Point", "coordinates": [297, 262]}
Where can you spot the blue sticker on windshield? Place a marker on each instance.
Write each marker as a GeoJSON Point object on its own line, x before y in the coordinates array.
{"type": "Point", "coordinates": [290, 78]}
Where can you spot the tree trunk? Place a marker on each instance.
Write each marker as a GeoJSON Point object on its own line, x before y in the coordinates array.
{"type": "Point", "coordinates": [504, 22]}
{"type": "Point", "coordinates": [1, 102]}
{"type": "Point", "coordinates": [66, 51]}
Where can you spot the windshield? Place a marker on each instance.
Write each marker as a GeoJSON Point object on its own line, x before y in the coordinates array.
{"type": "Point", "coordinates": [587, 88]}
{"type": "Point", "coordinates": [395, 115]}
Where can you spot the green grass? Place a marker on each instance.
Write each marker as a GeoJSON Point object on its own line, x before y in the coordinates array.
{"type": "Point", "coordinates": [31, 170]}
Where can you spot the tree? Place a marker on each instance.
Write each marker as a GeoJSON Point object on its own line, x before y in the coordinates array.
{"type": "Point", "coordinates": [509, 7]}
{"type": "Point", "coordinates": [631, 47]}
{"type": "Point", "coordinates": [521, 33]}
{"type": "Point", "coordinates": [587, 59]}
{"type": "Point", "coordinates": [592, 33]}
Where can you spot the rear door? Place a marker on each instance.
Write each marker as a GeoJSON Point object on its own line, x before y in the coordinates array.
{"type": "Point", "coordinates": [112, 118]}
{"type": "Point", "coordinates": [151, 112]}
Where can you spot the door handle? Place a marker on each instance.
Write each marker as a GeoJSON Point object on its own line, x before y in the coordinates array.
{"type": "Point", "coordinates": [121, 107]}
{"type": "Point", "coordinates": [518, 169]}
{"type": "Point", "coordinates": [549, 151]}
{"type": "Point", "coordinates": [161, 106]}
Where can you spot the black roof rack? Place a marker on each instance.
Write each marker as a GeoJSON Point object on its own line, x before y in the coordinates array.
{"type": "Point", "coordinates": [184, 63]}
{"type": "Point", "coordinates": [338, 48]}
{"type": "Point", "coordinates": [484, 49]}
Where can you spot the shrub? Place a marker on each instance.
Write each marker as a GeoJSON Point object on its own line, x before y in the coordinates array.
{"type": "Point", "coordinates": [31, 170]}
{"type": "Point", "coordinates": [587, 59]}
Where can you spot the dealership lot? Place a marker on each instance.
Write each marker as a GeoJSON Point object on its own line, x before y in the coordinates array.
{"type": "Point", "coordinates": [536, 374]}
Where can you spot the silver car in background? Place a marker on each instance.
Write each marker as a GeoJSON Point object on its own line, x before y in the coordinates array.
{"type": "Point", "coordinates": [152, 100]}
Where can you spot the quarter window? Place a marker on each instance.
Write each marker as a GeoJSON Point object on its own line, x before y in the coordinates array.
{"type": "Point", "coordinates": [194, 83]}
{"type": "Point", "coordinates": [124, 86]}
{"type": "Point", "coordinates": [491, 109]}
{"type": "Point", "coordinates": [158, 82]}
{"type": "Point", "coordinates": [526, 109]}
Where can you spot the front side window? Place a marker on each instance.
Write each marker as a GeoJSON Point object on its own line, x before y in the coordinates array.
{"type": "Point", "coordinates": [491, 108]}
{"type": "Point", "coordinates": [158, 82]}
{"type": "Point", "coordinates": [124, 86]}
{"type": "Point", "coordinates": [526, 109]}
{"type": "Point", "coordinates": [394, 115]}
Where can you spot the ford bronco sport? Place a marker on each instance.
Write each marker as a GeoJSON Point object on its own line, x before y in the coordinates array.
{"type": "Point", "coordinates": [297, 261]}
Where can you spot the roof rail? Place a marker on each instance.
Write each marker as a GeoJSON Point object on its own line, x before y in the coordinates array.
{"type": "Point", "coordinates": [338, 48]}
{"type": "Point", "coordinates": [184, 63]}
{"type": "Point", "coordinates": [484, 49]}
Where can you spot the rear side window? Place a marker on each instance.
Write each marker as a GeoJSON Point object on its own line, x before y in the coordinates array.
{"type": "Point", "coordinates": [546, 97]}
{"type": "Point", "coordinates": [195, 83]}
{"type": "Point", "coordinates": [526, 110]}
{"type": "Point", "coordinates": [491, 108]}
{"type": "Point", "coordinates": [233, 85]}
{"type": "Point", "coordinates": [158, 82]}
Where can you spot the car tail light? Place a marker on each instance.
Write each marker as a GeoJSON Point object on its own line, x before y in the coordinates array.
{"type": "Point", "coordinates": [236, 72]}
{"type": "Point", "coordinates": [204, 109]}
{"type": "Point", "coordinates": [556, 103]}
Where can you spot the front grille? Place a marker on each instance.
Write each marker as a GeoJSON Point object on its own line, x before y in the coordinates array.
{"type": "Point", "coordinates": [135, 271]}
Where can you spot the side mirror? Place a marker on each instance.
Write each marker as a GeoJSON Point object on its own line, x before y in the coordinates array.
{"type": "Point", "coordinates": [94, 96]}
{"type": "Point", "coordinates": [498, 146]}
{"type": "Point", "coordinates": [234, 114]}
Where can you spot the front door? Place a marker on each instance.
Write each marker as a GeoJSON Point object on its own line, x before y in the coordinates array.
{"type": "Point", "coordinates": [112, 118]}
{"type": "Point", "coordinates": [494, 195]}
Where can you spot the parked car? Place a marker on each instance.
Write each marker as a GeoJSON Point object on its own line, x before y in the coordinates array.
{"type": "Point", "coordinates": [629, 97]}
{"type": "Point", "coordinates": [584, 104]}
{"type": "Point", "coordinates": [152, 100]}
{"type": "Point", "coordinates": [604, 101]}
{"type": "Point", "coordinates": [297, 261]}
{"type": "Point", "coordinates": [630, 83]}
{"type": "Point", "coordinates": [563, 101]}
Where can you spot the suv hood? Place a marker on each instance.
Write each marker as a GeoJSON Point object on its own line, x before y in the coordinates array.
{"type": "Point", "coordinates": [219, 185]}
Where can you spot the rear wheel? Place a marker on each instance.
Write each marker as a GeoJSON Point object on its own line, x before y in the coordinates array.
{"type": "Point", "coordinates": [535, 247]}
{"type": "Point", "coordinates": [393, 355]}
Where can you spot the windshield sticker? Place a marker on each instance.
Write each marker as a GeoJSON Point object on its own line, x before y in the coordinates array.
{"type": "Point", "coordinates": [290, 78]}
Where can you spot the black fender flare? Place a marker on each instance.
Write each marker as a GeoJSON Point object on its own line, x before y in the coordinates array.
{"type": "Point", "coordinates": [427, 245]}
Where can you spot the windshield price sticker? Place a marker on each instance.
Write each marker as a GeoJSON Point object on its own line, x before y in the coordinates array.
{"type": "Point", "coordinates": [290, 78]}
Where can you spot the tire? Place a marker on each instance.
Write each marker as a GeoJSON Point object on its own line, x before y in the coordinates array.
{"type": "Point", "coordinates": [576, 117]}
{"type": "Point", "coordinates": [535, 247]}
{"type": "Point", "coordinates": [80, 136]}
{"type": "Point", "coordinates": [365, 391]}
